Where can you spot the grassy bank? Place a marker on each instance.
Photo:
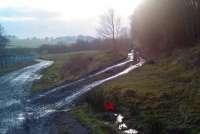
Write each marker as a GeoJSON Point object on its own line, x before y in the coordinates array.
{"type": "Point", "coordinates": [71, 66]}
{"type": "Point", "coordinates": [158, 98]}
{"type": "Point", "coordinates": [17, 66]}
{"type": "Point", "coordinates": [91, 119]}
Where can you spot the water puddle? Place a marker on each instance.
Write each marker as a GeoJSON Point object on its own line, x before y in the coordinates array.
{"type": "Point", "coordinates": [28, 74]}
{"type": "Point", "coordinates": [122, 127]}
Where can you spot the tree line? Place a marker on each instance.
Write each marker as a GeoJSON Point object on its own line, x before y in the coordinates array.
{"type": "Point", "coordinates": [160, 26]}
{"type": "Point", "coordinates": [3, 40]}
{"type": "Point", "coordinates": [157, 27]}
{"type": "Point", "coordinates": [112, 36]}
{"type": "Point", "coordinates": [123, 46]}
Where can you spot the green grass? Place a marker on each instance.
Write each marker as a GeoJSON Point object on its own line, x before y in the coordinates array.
{"type": "Point", "coordinates": [17, 66]}
{"type": "Point", "coordinates": [71, 66]}
{"type": "Point", "coordinates": [157, 98]}
{"type": "Point", "coordinates": [92, 120]}
{"type": "Point", "coordinates": [52, 74]}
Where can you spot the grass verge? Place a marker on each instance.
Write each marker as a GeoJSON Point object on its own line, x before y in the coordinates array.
{"type": "Point", "coordinates": [71, 66]}
{"type": "Point", "coordinates": [158, 98]}
{"type": "Point", "coordinates": [92, 120]}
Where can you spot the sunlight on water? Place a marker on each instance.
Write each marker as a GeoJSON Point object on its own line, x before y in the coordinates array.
{"type": "Point", "coordinates": [39, 111]}
{"type": "Point", "coordinates": [21, 116]}
{"type": "Point", "coordinates": [14, 89]}
{"type": "Point", "coordinates": [122, 126]}
{"type": "Point", "coordinates": [43, 111]}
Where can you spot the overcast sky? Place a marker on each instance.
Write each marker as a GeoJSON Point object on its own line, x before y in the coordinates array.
{"type": "Point", "coordinates": [40, 18]}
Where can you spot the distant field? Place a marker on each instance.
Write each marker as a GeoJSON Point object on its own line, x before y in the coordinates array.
{"type": "Point", "coordinates": [25, 43]}
{"type": "Point", "coordinates": [71, 66]}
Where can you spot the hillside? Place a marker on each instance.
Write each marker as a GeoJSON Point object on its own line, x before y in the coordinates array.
{"type": "Point", "coordinates": [158, 98]}
{"type": "Point", "coordinates": [72, 66]}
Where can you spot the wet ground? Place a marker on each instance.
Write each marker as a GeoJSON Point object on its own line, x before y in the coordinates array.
{"type": "Point", "coordinates": [25, 113]}
{"type": "Point", "coordinates": [14, 91]}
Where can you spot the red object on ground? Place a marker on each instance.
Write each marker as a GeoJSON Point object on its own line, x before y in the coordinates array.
{"type": "Point", "coordinates": [108, 106]}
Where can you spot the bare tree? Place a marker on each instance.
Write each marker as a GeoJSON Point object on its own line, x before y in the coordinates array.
{"type": "Point", "coordinates": [110, 26]}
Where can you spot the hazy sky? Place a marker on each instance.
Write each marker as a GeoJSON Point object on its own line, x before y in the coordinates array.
{"type": "Point", "coordinates": [40, 18]}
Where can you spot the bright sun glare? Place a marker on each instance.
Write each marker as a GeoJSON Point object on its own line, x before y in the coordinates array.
{"type": "Point", "coordinates": [77, 12]}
